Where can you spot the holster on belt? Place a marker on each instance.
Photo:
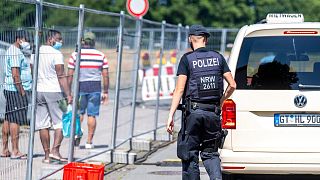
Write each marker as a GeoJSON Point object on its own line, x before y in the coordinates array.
{"type": "Point", "coordinates": [223, 136]}
{"type": "Point", "coordinates": [214, 144]}
{"type": "Point", "coordinates": [205, 107]}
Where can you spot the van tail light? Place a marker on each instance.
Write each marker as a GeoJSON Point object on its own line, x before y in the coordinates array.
{"type": "Point", "coordinates": [229, 114]}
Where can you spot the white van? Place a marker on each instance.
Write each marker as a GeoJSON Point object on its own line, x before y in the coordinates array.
{"type": "Point", "coordinates": [273, 118]}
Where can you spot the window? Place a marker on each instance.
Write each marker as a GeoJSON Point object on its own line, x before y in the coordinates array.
{"type": "Point", "coordinates": [278, 62]}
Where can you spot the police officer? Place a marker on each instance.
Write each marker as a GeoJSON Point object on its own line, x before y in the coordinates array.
{"type": "Point", "coordinates": [200, 84]}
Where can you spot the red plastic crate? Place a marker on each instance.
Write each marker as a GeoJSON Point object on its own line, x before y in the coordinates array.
{"type": "Point", "coordinates": [83, 171]}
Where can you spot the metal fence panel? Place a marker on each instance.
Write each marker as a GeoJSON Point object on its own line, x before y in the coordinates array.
{"type": "Point", "coordinates": [106, 42]}
{"type": "Point", "coordinates": [150, 55]}
{"type": "Point", "coordinates": [69, 44]}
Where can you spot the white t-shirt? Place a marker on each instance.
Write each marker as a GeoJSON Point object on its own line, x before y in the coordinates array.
{"type": "Point", "coordinates": [47, 76]}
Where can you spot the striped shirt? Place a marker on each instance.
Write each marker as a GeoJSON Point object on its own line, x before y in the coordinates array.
{"type": "Point", "coordinates": [92, 62]}
{"type": "Point", "coordinates": [15, 58]}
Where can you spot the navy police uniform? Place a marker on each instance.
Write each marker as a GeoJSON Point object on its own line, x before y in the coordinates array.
{"type": "Point", "coordinates": [201, 129]}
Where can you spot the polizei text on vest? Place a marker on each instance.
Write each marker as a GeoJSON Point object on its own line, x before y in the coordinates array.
{"type": "Point", "coordinates": [205, 62]}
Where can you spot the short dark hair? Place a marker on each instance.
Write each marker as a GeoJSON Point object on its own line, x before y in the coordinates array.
{"type": "Point", "coordinates": [20, 34]}
{"type": "Point", "coordinates": [51, 33]}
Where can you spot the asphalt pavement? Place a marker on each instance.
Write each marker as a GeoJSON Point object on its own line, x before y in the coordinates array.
{"type": "Point", "coordinates": [144, 121]}
{"type": "Point", "coordinates": [163, 164]}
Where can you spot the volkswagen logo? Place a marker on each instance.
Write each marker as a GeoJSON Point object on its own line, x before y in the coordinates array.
{"type": "Point", "coordinates": [300, 101]}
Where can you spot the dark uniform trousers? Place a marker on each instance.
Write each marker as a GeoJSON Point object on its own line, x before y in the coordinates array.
{"type": "Point", "coordinates": [201, 130]}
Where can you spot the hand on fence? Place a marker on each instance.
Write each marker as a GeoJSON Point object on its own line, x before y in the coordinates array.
{"type": "Point", "coordinates": [104, 98]}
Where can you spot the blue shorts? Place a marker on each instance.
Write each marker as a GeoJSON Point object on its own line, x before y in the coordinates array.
{"type": "Point", "coordinates": [90, 102]}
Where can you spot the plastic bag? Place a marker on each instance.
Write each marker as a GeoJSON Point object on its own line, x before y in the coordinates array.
{"type": "Point", "coordinates": [66, 123]}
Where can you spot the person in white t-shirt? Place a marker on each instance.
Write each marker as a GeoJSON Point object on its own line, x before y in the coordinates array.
{"type": "Point", "coordinates": [52, 82]}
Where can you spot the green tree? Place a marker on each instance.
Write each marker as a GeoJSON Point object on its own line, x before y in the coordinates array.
{"type": "Point", "coordinates": [16, 15]}
{"type": "Point", "coordinates": [309, 8]}
{"type": "Point", "coordinates": [91, 19]}
{"type": "Point", "coordinates": [212, 13]}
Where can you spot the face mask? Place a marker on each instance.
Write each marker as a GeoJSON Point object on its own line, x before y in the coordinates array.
{"type": "Point", "coordinates": [57, 45]}
{"type": "Point", "coordinates": [25, 46]}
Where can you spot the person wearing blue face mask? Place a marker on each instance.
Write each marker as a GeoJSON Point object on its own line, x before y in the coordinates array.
{"type": "Point", "coordinates": [55, 40]}
{"type": "Point", "coordinates": [57, 45]}
{"type": "Point", "coordinates": [52, 82]}
{"type": "Point", "coordinates": [17, 87]}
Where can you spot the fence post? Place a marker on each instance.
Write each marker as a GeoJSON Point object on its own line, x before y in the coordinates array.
{"type": "Point", "coordinates": [223, 41]}
{"type": "Point", "coordinates": [117, 93]}
{"type": "Point", "coordinates": [76, 84]}
{"type": "Point", "coordinates": [38, 33]}
{"type": "Point", "coordinates": [136, 77]}
{"type": "Point", "coordinates": [159, 80]}
{"type": "Point", "coordinates": [151, 42]}
{"type": "Point", "coordinates": [178, 54]}
{"type": "Point", "coordinates": [187, 38]}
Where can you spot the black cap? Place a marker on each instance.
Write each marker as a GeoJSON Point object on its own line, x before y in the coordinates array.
{"type": "Point", "coordinates": [198, 30]}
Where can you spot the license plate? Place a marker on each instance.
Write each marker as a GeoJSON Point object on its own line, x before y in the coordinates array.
{"type": "Point", "coordinates": [297, 120]}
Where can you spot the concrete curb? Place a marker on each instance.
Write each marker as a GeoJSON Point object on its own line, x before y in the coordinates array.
{"type": "Point", "coordinates": [118, 156]}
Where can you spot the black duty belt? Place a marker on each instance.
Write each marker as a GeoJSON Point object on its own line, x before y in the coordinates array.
{"type": "Point", "coordinates": [206, 107]}
{"type": "Point", "coordinates": [210, 150]}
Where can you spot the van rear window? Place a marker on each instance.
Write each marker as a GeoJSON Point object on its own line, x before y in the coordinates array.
{"type": "Point", "coordinates": [278, 62]}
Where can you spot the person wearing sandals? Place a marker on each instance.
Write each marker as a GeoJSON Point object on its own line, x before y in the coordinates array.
{"type": "Point", "coordinates": [17, 87]}
{"type": "Point", "coordinates": [93, 69]}
{"type": "Point", "coordinates": [51, 82]}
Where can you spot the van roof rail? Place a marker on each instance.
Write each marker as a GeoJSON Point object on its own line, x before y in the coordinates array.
{"type": "Point", "coordinates": [263, 21]}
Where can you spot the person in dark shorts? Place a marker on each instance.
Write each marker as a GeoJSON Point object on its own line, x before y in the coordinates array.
{"type": "Point", "coordinates": [18, 81]}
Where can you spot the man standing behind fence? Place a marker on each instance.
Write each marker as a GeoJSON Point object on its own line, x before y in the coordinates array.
{"type": "Point", "coordinates": [51, 78]}
{"type": "Point", "coordinates": [93, 64]}
{"type": "Point", "coordinates": [18, 81]}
